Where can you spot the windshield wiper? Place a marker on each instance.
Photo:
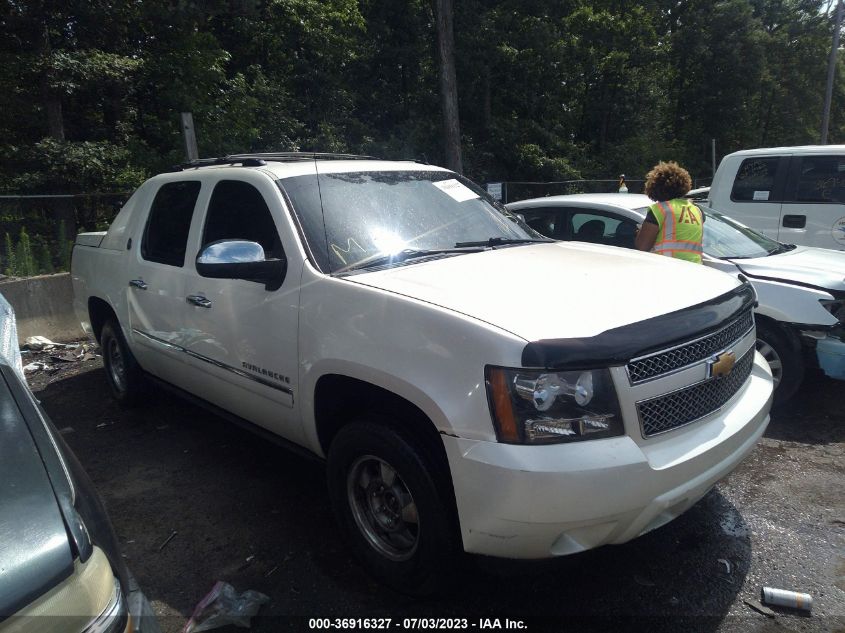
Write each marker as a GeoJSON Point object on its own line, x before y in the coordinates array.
{"type": "Point", "coordinates": [782, 248]}
{"type": "Point", "coordinates": [406, 254]}
{"type": "Point", "coordinates": [500, 241]}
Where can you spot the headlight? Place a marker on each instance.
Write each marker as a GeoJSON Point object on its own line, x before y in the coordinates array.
{"type": "Point", "coordinates": [836, 307]}
{"type": "Point", "coordinates": [89, 600]}
{"type": "Point", "coordinates": [532, 406]}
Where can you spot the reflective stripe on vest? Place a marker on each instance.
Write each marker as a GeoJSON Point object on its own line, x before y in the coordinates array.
{"type": "Point", "coordinates": [668, 222]}
{"type": "Point", "coordinates": [692, 247]}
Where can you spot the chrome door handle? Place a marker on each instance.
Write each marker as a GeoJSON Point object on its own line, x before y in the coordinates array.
{"type": "Point", "coordinates": [138, 283]}
{"type": "Point", "coordinates": [198, 300]}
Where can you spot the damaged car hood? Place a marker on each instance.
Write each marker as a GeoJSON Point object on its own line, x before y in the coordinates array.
{"type": "Point", "coordinates": [819, 267]}
{"type": "Point", "coordinates": [544, 291]}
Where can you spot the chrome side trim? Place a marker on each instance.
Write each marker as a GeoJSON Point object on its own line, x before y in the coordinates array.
{"type": "Point", "coordinates": [216, 363]}
{"type": "Point", "coordinates": [160, 341]}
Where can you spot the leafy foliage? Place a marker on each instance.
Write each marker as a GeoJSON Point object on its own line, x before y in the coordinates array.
{"type": "Point", "coordinates": [92, 90]}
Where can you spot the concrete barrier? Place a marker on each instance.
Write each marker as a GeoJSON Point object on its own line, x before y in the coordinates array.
{"type": "Point", "coordinates": [44, 307]}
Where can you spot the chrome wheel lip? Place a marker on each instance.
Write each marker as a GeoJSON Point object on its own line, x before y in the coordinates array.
{"type": "Point", "coordinates": [389, 526]}
{"type": "Point", "coordinates": [117, 368]}
{"type": "Point", "coordinates": [775, 362]}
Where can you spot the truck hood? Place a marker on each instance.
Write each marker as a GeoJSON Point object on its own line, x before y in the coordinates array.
{"type": "Point", "coordinates": [561, 289]}
{"type": "Point", "coordinates": [819, 267]}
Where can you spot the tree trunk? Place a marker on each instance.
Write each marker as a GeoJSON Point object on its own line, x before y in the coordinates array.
{"type": "Point", "coordinates": [55, 116]}
{"type": "Point", "coordinates": [448, 83]}
{"type": "Point", "coordinates": [52, 102]}
{"type": "Point", "coordinates": [487, 101]}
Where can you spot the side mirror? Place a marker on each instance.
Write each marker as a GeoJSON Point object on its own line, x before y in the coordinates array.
{"type": "Point", "coordinates": [240, 259]}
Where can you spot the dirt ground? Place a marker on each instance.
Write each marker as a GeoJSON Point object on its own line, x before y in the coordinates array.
{"type": "Point", "coordinates": [195, 499]}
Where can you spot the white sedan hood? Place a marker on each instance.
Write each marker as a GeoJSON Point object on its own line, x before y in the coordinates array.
{"type": "Point", "coordinates": [556, 290]}
{"type": "Point", "coordinates": [818, 267]}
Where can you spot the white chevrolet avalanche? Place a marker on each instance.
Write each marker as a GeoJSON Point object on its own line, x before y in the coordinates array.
{"type": "Point", "coordinates": [471, 384]}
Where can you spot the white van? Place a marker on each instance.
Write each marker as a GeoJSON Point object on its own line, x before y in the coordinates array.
{"type": "Point", "coordinates": [791, 194]}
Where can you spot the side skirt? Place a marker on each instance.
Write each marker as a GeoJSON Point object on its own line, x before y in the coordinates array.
{"type": "Point", "coordinates": [234, 419]}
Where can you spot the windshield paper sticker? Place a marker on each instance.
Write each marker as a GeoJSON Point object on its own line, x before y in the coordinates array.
{"type": "Point", "coordinates": [456, 190]}
{"type": "Point", "coordinates": [761, 195]}
{"type": "Point", "coordinates": [838, 231]}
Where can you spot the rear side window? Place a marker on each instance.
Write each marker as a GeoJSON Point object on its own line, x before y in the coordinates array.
{"type": "Point", "coordinates": [166, 236]}
{"type": "Point", "coordinates": [755, 180]}
{"type": "Point", "coordinates": [238, 211]}
{"type": "Point", "coordinates": [598, 228]}
{"type": "Point", "coordinates": [821, 179]}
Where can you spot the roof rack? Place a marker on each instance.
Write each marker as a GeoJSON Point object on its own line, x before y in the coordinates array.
{"type": "Point", "coordinates": [259, 159]}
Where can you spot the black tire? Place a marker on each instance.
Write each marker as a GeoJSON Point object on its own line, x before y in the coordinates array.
{"type": "Point", "coordinates": [416, 554]}
{"type": "Point", "coordinates": [124, 375]}
{"type": "Point", "coordinates": [782, 351]}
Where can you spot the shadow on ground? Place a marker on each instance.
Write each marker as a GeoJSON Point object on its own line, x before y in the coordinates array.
{"type": "Point", "coordinates": [257, 516]}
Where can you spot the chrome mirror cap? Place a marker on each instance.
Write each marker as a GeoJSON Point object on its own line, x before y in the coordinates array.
{"type": "Point", "coordinates": [231, 252]}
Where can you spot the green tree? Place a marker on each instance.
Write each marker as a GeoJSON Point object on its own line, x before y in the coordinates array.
{"type": "Point", "coordinates": [11, 268]}
{"type": "Point", "coordinates": [44, 261]}
{"type": "Point", "coordinates": [25, 261]}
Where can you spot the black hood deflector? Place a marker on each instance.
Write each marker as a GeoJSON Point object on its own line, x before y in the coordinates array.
{"type": "Point", "coordinates": [619, 345]}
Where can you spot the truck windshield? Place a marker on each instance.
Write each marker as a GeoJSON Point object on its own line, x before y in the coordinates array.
{"type": "Point", "coordinates": [356, 220]}
{"type": "Point", "coordinates": [728, 239]}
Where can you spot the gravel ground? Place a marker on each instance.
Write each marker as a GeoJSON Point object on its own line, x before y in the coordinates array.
{"type": "Point", "coordinates": [257, 516]}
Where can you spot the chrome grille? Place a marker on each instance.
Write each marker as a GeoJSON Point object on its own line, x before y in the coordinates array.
{"type": "Point", "coordinates": [681, 407]}
{"type": "Point", "coordinates": [686, 354]}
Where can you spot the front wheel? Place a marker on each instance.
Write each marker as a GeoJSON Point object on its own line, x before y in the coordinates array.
{"type": "Point", "coordinates": [383, 492]}
{"type": "Point", "coordinates": [123, 373]}
{"type": "Point", "coordinates": [783, 353]}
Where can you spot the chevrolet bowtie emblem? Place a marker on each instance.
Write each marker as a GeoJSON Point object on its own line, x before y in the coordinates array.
{"type": "Point", "coordinates": [721, 365]}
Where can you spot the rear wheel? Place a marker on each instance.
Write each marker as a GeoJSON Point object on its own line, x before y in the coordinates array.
{"type": "Point", "coordinates": [123, 373]}
{"type": "Point", "coordinates": [384, 493]}
{"type": "Point", "coordinates": [783, 353]}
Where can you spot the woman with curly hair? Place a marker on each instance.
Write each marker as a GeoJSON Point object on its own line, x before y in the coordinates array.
{"type": "Point", "coordinates": [674, 226]}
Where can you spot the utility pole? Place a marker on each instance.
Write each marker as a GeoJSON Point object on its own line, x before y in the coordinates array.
{"type": "Point", "coordinates": [713, 155]}
{"type": "Point", "coordinates": [831, 68]}
{"type": "Point", "coordinates": [190, 136]}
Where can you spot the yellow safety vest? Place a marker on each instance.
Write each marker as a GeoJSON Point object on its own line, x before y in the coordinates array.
{"type": "Point", "coordinates": [681, 227]}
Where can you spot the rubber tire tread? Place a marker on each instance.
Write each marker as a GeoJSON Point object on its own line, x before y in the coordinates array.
{"type": "Point", "coordinates": [432, 567]}
{"type": "Point", "coordinates": [136, 383]}
{"type": "Point", "coordinates": [792, 362]}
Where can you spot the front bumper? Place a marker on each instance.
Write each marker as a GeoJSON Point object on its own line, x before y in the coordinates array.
{"type": "Point", "coordinates": [830, 352]}
{"type": "Point", "coordinates": [545, 501]}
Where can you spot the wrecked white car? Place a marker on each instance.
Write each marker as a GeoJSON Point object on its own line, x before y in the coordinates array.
{"type": "Point", "coordinates": [800, 289]}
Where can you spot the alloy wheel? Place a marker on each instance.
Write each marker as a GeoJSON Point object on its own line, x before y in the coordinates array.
{"type": "Point", "coordinates": [383, 508]}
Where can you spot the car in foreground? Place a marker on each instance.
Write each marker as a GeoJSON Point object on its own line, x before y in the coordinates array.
{"type": "Point", "coordinates": [800, 289]}
{"type": "Point", "coordinates": [471, 384]}
{"type": "Point", "coordinates": [61, 569]}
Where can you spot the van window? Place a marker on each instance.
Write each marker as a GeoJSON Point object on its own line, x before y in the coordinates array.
{"type": "Point", "coordinates": [755, 180]}
{"type": "Point", "coordinates": [166, 235]}
{"type": "Point", "coordinates": [821, 179]}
